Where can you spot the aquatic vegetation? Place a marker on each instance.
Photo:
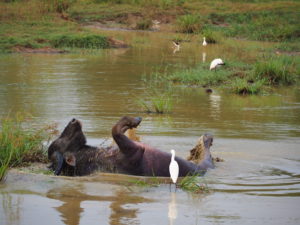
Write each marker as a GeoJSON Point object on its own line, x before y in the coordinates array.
{"type": "Point", "coordinates": [192, 184]}
{"type": "Point", "coordinates": [157, 102]}
{"type": "Point", "coordinates": [277, 70]}
{"type": "Point", "coordinates": [20, 144]}
{"type": "Point", "coordinates": [243, 87]}
{"type": "Point", "coordinates": [146, 183]}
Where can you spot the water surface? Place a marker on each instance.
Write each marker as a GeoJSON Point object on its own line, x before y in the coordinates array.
{"type": "Point", "coordinates": [257, 136]}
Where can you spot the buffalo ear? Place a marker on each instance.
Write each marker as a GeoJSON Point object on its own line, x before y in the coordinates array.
{"type": "Point", "coordinates": [70, 159]}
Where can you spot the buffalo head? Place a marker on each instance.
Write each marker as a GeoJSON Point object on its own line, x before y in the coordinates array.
{"type": "Point", "coordinates": [70, 141]}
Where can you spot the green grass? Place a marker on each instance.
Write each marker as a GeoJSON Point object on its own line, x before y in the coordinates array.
{"type": "Point", "coordinates": [275, 71]}
{"type": "Point", "coordinates": [20, 143]}
{"type": "Point", "coordinates": [244, 87]}
{"type": "Point", "coordinates": [238, 77]}
{"type": "Point", "coordinates": [80, 41]}
{"type": "Point", "coordinates": [33, 23]}
{"type": "Point", "coordinates": [157, 102]}
{"type": "Point", "coordinates": [188, 23]}
{"type": "Point", "coordinates": [36, 24]}
{"type": "Point", "coordinates": [199, 76]}
{"type": "Point", "coordinates": [192, 184]}
{"type": "Point", "coordinates": [269, 25]}
{"type": "Point", "coordinates": [150, 182]}
{"type": "Point", "coordinates": [290, 47]}
{"type": "Point", "coordinates": [212, 37]}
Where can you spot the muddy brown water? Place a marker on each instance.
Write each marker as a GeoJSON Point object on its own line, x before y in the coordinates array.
{"type": "Point", "coordinates": [257, 136]}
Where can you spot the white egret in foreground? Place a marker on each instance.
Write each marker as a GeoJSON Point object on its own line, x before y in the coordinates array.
{"type": "Point", "coordinates": [204, 42]}
{"type": "Point", "coordinates": [173, 168]}
{"type": "Point", "coordinates": [216, 63]}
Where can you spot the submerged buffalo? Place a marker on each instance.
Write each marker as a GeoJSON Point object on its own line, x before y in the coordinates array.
{"type": "Point", "coordinates": [70, 155]}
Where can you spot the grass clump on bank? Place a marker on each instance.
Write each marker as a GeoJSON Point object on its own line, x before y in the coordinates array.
{"type": "Point", "coordinates": [276, 71]}
{"type": "Point", "coordinates": [80, 41]}
{"type": "Point", "coordinates": [243, 87]}
{"type": "Point", "coordinates": [20, 144]}
{"type": "Point", "coordinates": [188, 23]}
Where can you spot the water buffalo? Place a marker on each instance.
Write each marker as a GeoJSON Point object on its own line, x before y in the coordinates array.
{"type": "Point", "coordinates": [70, 155]}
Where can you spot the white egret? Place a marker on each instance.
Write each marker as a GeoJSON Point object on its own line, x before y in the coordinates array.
{"type": "Point", "coordinates": [216, 63]}
{"type": "Point", "coordinates": [204, 42]}
{"type": "Point", "coordinates": [173, 168]}
{"type": "Point", "coordinates": [176, 46]}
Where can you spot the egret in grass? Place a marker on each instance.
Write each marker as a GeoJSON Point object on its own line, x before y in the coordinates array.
{"type": "Point", "coordinates": [216, 63]}
{"type": "Point", "coordinates": [204, 42]}
{"type": "Point", "coordinates": [174, 169]}
{"type": "Point", "coordinates": [176, 44]}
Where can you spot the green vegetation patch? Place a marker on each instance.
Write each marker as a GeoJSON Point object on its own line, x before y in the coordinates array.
{"type": "Point", "coordinates": [277, 70]}
{"type": "Point", "coordinates": [80, 41]}
{"type": "Point", "coordinates": [189, 23]}
{"type": "Point", "coordinates": [238, 77]}
{"type": "Point", "coordinates": [190, 183]}
{"type": "Point", "coordinates": [257, 25]}
{"type": "Point", "coordinates": [21, 144]}
{"type": "Point", "coordinates": [243, 87]}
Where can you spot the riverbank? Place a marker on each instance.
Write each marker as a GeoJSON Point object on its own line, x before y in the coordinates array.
{"type": "Point", "coordinates": [60, 25]}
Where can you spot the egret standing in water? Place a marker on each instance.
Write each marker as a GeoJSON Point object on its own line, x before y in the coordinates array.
{"type": "Point", "coordinates": [174, 169]}
{"type": "Point", "coordinates": [216, 63]}
{"type": "Point", "coordinates": [176, 44]}
{"type": "Point", "coordinates": [204, 42]}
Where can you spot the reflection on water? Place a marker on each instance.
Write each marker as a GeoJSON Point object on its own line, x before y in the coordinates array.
{"type": "Point", "coordinates": [215, 101]}
{"type": "Point", "coordinates": [204, 57]}
{"type": "Point", "coordinates": [172, 213]}
{"type": "Point", "coordinates": [11, 207]}
{"type": "Point", "coordinates": [73, 199]}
